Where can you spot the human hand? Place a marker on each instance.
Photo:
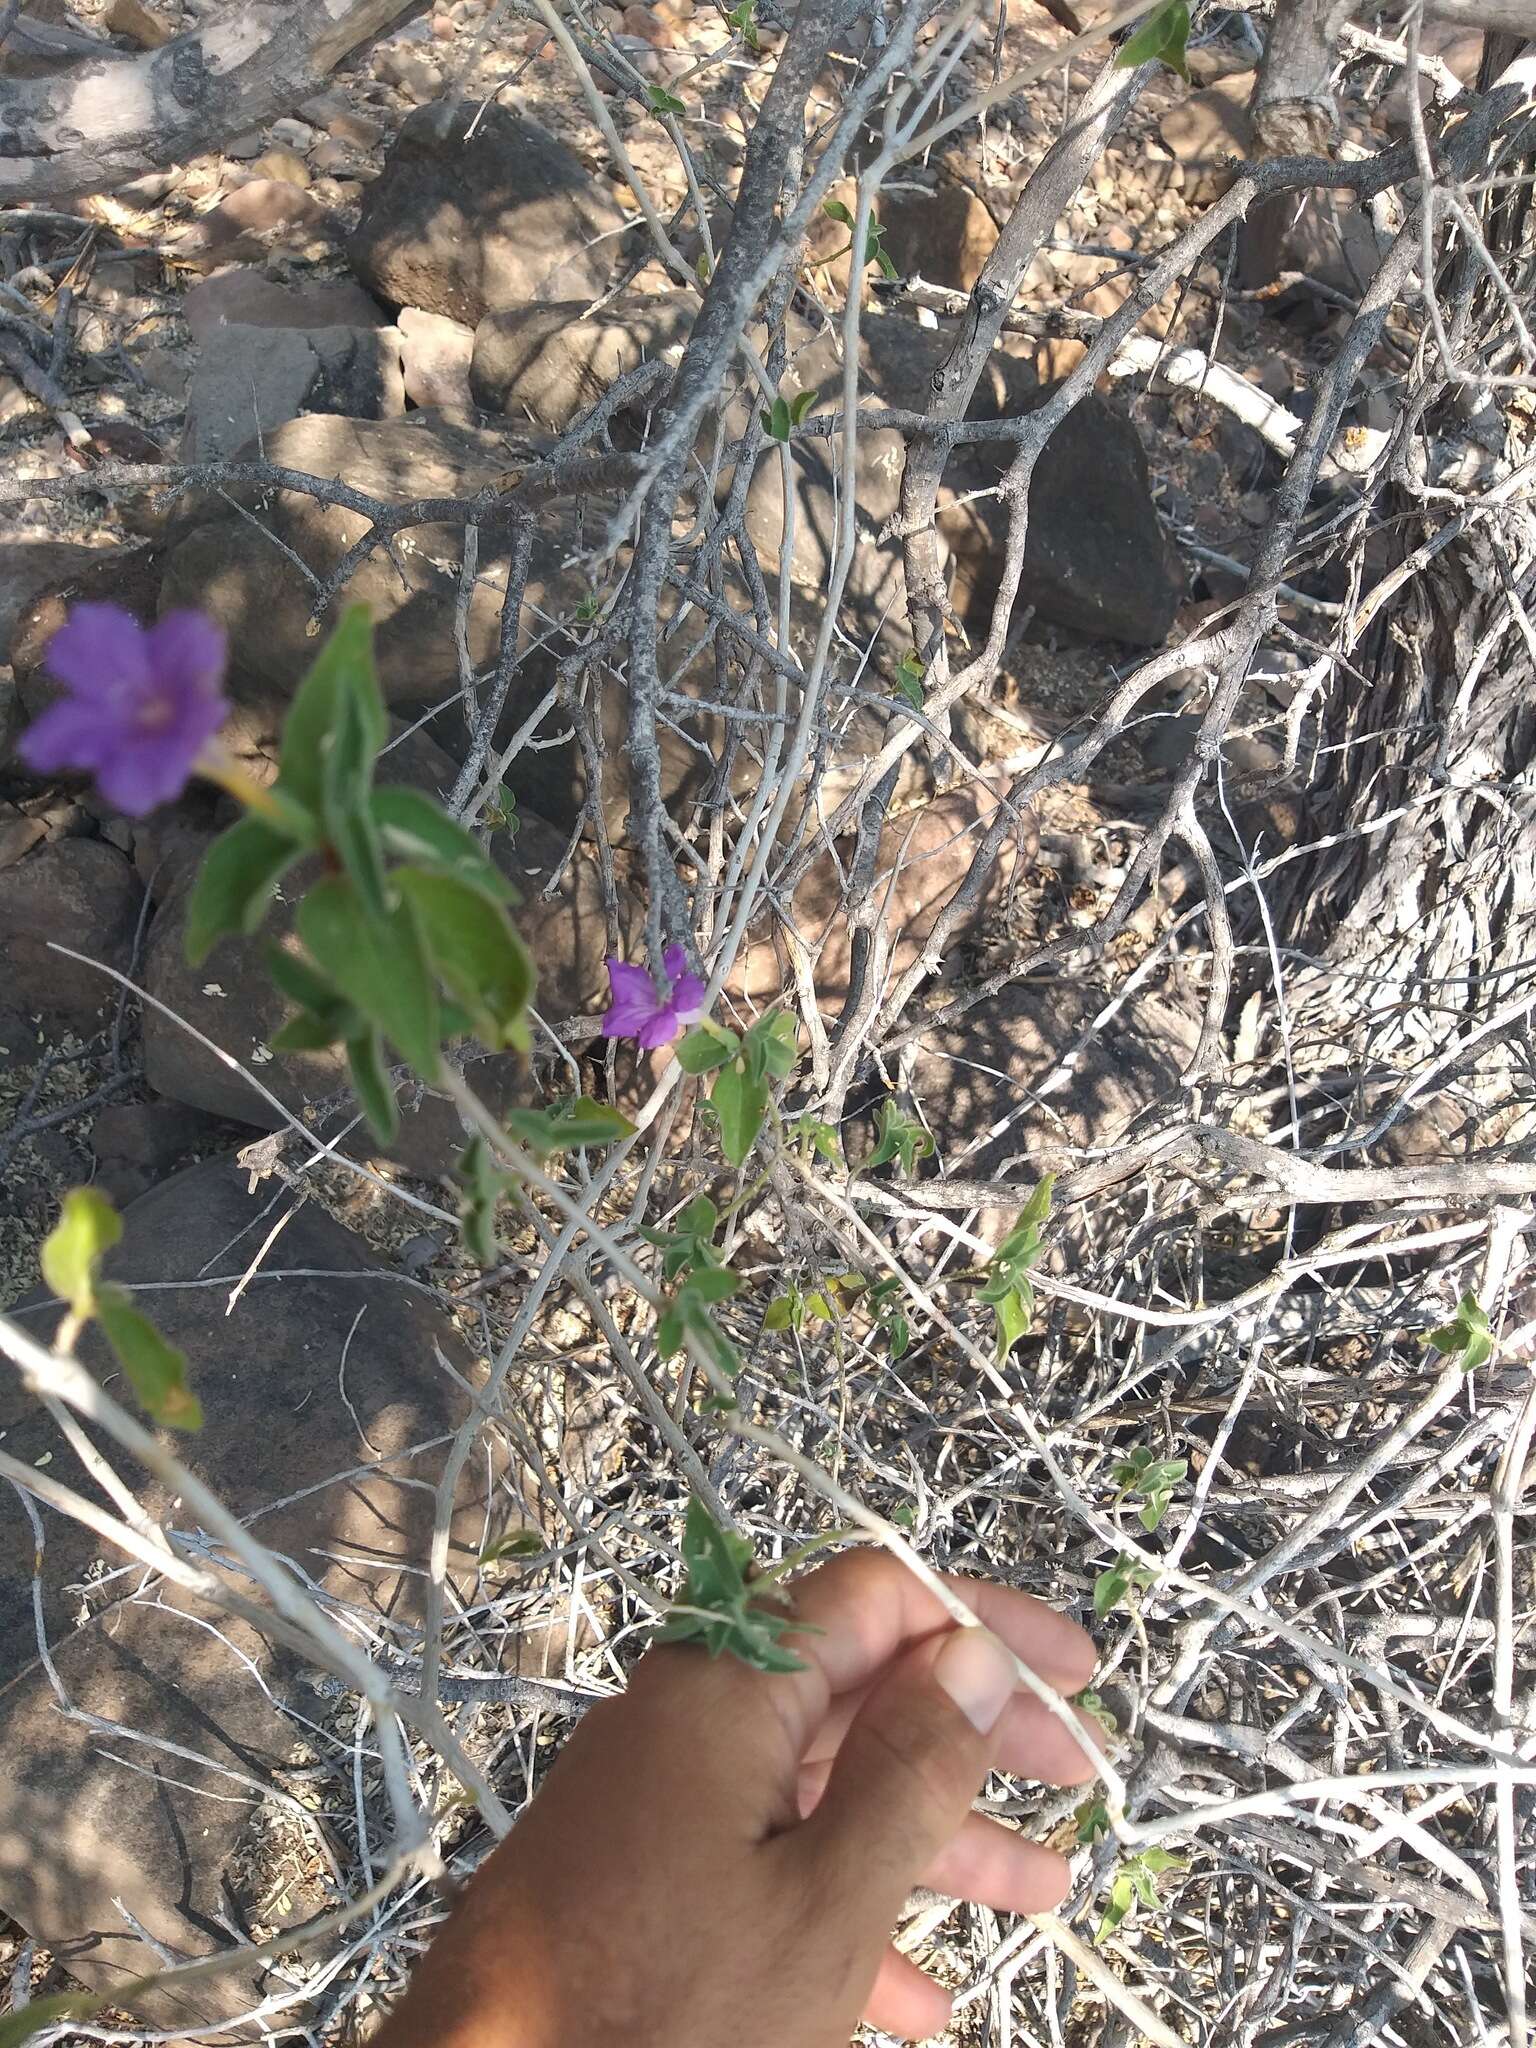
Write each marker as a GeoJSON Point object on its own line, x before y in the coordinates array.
{"type": "Point", "coordinates": [718, 1856]}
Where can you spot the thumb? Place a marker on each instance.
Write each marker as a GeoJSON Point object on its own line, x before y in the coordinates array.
{"type": "Point", "coordinates": [909, 1768]}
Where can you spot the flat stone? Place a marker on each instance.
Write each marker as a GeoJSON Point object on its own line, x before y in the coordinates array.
{"type": "Point", "coordinates": [284, 164]}
{"type": "Point", "coordinates": [230, 569]}
{"type": "Point", "coordinates": [256, 379]}
{"type": "Point", "coordinates": [247, 298]}
{"type": "Point", "coordinates": [548, 364]}
{"type": "Point", "coordinates": [30, 566]}
{"type": "Point", "coordinates": [266, 206]}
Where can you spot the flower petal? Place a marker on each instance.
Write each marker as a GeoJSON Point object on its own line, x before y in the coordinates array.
{"type": "Point", "coordinates": [99, 652]}
{"type": "Point", "coordinates": [189, 652]}
{"type": "Point", "coordinates": [658, 1029]}
{"type": "Point", "coordinates": [634, 1000]}
{"type": "Point", "coordinates": [136, 778]}
{"type": "Point", "coordinates": [675, 960]}
{"type": "Point", "coordinates": [69, 734]}
{"type": "Point", "coordinates": [687, 998]}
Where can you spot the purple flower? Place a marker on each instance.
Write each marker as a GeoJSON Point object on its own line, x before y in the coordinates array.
{"type": "Point", "coordinates": [140, 704]}
{"type": "Point", "coordinates": [636, 1010]}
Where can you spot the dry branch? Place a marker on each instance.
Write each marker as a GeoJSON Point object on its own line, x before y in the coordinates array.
{"type": "Point", "coordinates": [109, 119]}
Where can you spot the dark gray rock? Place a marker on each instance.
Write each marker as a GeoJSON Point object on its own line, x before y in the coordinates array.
{"type": "Point", "coordinates": [991, 1088]}
{"type": "Point", "coordinates": [459, 227]}
{"type": "Point", "coordinates": [324, 1467]}
{"type": "Point", "coordinates": [28, 567]}
{"type": "Point", "coordinates": [548, 364]}
{"type": "Point", "coordinates": [253, 380]}
{"type": "Point", "coordinates": [79, 893]}
{"type": "Point", "coordinates": [129, 577]}
{"type": "Point", "coordinates": [1096, 558]}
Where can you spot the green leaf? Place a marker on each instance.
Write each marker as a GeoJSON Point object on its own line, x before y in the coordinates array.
{"type": "Point", "coordinates": [380, 966]}
{"type": "Point", "coordinates": [1122, 1577]}
{"type": "Point", "coordinates": [1161, 39]}
{"type": "Point", "coordinates": [783, 1312]}
{"type": "Point", "coordinates": [1467, 1333]}
{"type": "Point", "coordinates": [156, 1370]}
{"type": "Point", "coordinates": [87, 1228]}
{"type": "Point", "coordinates": [324, 1018]}
{"type": "Point", "coordinates": [713, 1283]}
{"type": "Point", "coordinates": [717, 1606]}
{"type": "Point", "coordinates": [358, 730]}
{"type": "Point", "coordinates": [481, 959]}
{"type": "Point", "coordinates": [834, 209]}
{"type": "Point", "coordinates": [309, 1032]}
{"type": "Point", "coordinates": [1093, 1706]}
{"type": "Point", "coordinates": [820, 1137]}
{"type": "Point", "coordinates": [701, 267]}
{"type": "Point", "coordinates": [690, 1242]}
{"type": "Point", "coordinates": [801, 407]}
{"type": "Point", "coordinates": [1012, 1312]}
{"type": "Point", "coordinates": [909, 679]}
{"type": "Point", "coordinates": [899, 1137]}
{"type": "Point", "coordinates": [343, 668]}
{"type": "Point", "coordinates": [1122, 1903]}
{"type": "Point", "coordinates": [372, 1085]}
{"type": "Point", "coordinates": [563, 1129]}
{"type": "Point", "coordinates": [235, 884]}
{"type": "Point", "coordinates": [1092, 1818]}
{"type": "Point", "coordinates": [744, 20]}
{"type": "Point", "coordinates": [415, 829]}
{"type": "Point", "coordinates": [520, 1543]}
{"type": "Point", "coordinates": [485, 1186]}
{"type": "Point", "coordinates": [707, 1046]}
{"type": "Point", "coordinates": [741, 1103]}
{"type": "Point", "coordinates": [662, 101]}
{"type": "Point", "coordinates": [776, 421]}
{"type": "Point", "coordinates": [772, 1046]}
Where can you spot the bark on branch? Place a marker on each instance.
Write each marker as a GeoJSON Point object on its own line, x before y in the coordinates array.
{"type": "Point", "coordinates": [110, 118]}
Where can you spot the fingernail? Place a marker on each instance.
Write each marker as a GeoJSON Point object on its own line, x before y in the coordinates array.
{"type": "Point", "coordinates": [978, 1674]}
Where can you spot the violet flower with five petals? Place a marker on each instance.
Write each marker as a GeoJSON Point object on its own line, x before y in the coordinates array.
{"type": "Point", "coordinates": [636, 1011]}
{"type": "Point", "coordinates": [140, 703]}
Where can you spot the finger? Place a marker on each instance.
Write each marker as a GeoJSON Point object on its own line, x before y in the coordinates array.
{"type": "Point", "coordinates": [986, 1862]}
{"type": "Point", "coordinates": [909, 1767]}
{"type": "Point", "coordinates": [906, 2003]}
{"type": "Point", "coordinates": [1032, 1743]}
{"type": "Point", "coordinates": [748, 1730]}
{"type": "Point", "coordinates": [868, 1607]}
{"type": "Point", "coordinates": [992, 1865]}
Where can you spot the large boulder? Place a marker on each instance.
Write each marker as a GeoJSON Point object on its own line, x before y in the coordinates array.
{"type": "Point", "coordinates": [228, 566]}
{"type": "Point", "coordinates": [324, 1431]}
{"type": "Point", "coordinates": [548, 364]}
{"type": "Point", "coordinates": [80, 893]}
{"type": "Point", "coordinates": [459, 222]}
{"type": "Point", "coordinates": [231, 1000]}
